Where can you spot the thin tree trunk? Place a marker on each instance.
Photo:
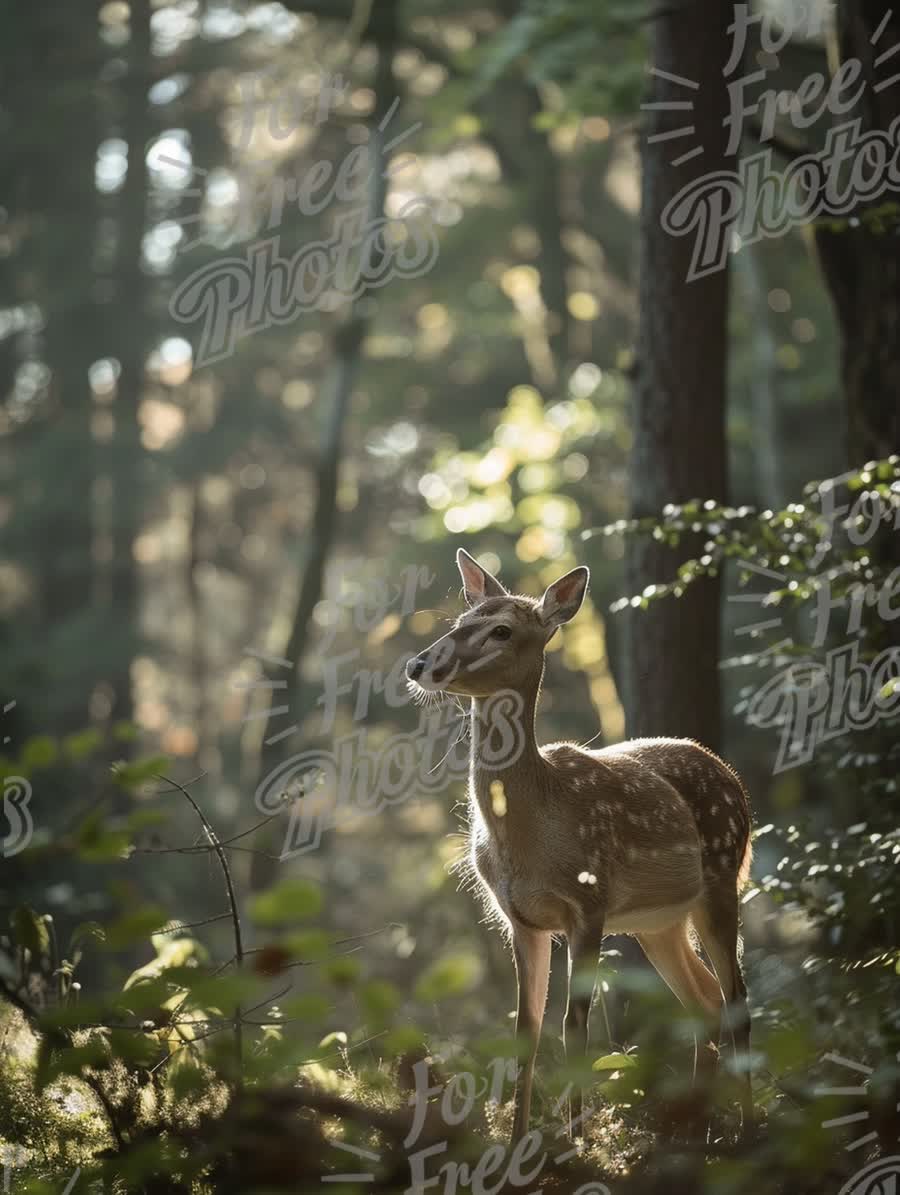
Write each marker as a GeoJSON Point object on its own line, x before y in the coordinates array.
{"type": "Point", "coordinates": [348, 349]}
{"type": "Point", "coordinates": [127, 457]}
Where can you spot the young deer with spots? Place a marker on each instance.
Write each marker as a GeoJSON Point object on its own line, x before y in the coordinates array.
{"type": "Point", "coordinates": [650, 837]}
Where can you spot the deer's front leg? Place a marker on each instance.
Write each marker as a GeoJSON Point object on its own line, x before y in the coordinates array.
{"type": "Point", "coordinates": [531, 949]}
{"type": "Point", "coordinates": [584, 950]}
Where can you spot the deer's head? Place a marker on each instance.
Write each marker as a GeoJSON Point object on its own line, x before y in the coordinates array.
{"type": "Point", "coordinates": [498, 643]}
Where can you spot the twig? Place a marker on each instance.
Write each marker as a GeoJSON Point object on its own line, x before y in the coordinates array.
{"type": "Point", "coordinates": [199, 849]}
{"type": "Point", "coordinates": [271, 999]}
{"type": "Point", "coordinates": [235, 916]}
{"type": "Point", "coordinates": [194, 924]}
{"type": "Point", "coordinates": [310, 962]}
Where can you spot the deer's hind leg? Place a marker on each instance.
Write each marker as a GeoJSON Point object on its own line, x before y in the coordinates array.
{"type": "Point", "coordinates": [716, 921]}
{"type": "Point", "coordinates": [696, 988]}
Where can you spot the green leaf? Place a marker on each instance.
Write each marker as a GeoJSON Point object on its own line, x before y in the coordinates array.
{"type": "Point", "coordinates": [82, 744]}
{"type": "Point", "coordinates": [403, 1039]}
{"type": "Point", "coordinates": [130, 775]}
{"type": "Point", "coordinates": [96, 843]}
{"type": "Point", "coordinates": [343, 971]}
{"type": "Point", "coordinates": [613, 1062]}
{"type": "Point", "coordinates": [288, 901]}
{"type": "Point", "coordinates": [145, 819]}
{"type": "Point", "coordinates": [39, 752]}
{"type": "Point", "coordinates": [379, 999]}
{"type": "Point", "coordinates": [146, 995]}
{"type": "Point", "coordinates": [222, 992]}
{"type": "Point", "coordinates": [30, 930]}
{"type": "Point", "coordinates": [450, 976]}
{"type": "Point", "coordinates": [135, 927]}
{"type": "Point", "coordinates": [309, 944]}
{"type": "Point", "coordinates": [173, 954]}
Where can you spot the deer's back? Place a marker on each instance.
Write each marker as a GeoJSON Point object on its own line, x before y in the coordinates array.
{"type": "Point", "coordinates": [711, 789]}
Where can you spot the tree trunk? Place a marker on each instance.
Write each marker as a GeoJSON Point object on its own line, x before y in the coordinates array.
{"type": "Point", "coordinates": [860, 257]}
{"type": "Point", "coordinates": [127, 457]}
{"type": "Point", "coordinates": [679, 449]}
{"type": "Point", "coordinates": [861, 261]}
{"type": "Point", "coordinates": [49, 154]}
{"type": "Point", "coordinates": [349, 342]}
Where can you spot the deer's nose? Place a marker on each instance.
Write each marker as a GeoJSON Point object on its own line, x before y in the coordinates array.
{"type": "Point", "coordinates": [416, 666]}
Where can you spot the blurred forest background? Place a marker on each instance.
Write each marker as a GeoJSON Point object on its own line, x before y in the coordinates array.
{"type": "Point", "coordinates": [214, 560]}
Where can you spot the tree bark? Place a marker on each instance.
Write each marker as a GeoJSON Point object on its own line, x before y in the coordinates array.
{"type": "Point", "coordinates": [679, 449]}
{"type": "Point", "coordinates": [50, 175]}
{"type": "Point", "coordinates": [861, 260]}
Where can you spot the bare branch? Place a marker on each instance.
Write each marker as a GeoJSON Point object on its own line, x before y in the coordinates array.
{"type": "Point", "coordinates": [232, 900]}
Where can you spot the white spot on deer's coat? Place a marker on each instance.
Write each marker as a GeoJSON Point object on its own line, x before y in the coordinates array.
{"type": "Point", "coordinates": [498, 798]}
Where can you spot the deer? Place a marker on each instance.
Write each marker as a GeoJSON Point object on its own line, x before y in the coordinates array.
{"type": "Point", "coordinates": [650, 837]}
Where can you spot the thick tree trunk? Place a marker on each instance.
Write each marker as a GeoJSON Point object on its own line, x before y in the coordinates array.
{"type": "Point", "coordinates": [679, 448]}
{"type": "Point", "coordinates": [49, 154]}
{"type": "Point", "coordinates": [861, 260]}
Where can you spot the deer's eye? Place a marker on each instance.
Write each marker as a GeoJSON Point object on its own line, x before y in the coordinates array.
{"type": "Point", "coordinates": [501, 633]}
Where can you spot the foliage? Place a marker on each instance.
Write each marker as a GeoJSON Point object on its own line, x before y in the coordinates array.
{"type": "Point", "coordinates": [164, 1074]}
{"type": "Point", "coordinates": [592, 51]}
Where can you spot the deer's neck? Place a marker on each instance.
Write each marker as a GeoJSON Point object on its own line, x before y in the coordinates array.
{"type": "Point", "coordinates": [506, 767]}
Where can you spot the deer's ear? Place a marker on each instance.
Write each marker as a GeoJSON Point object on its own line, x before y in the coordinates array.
{"type": "Point", "coordinates": [562, 600]}
{"type": "Point", "coordinates": [478, 583]}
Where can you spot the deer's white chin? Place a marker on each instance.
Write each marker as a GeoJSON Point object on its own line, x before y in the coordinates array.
{"type": "Point", "coordinates": [424, 685]}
